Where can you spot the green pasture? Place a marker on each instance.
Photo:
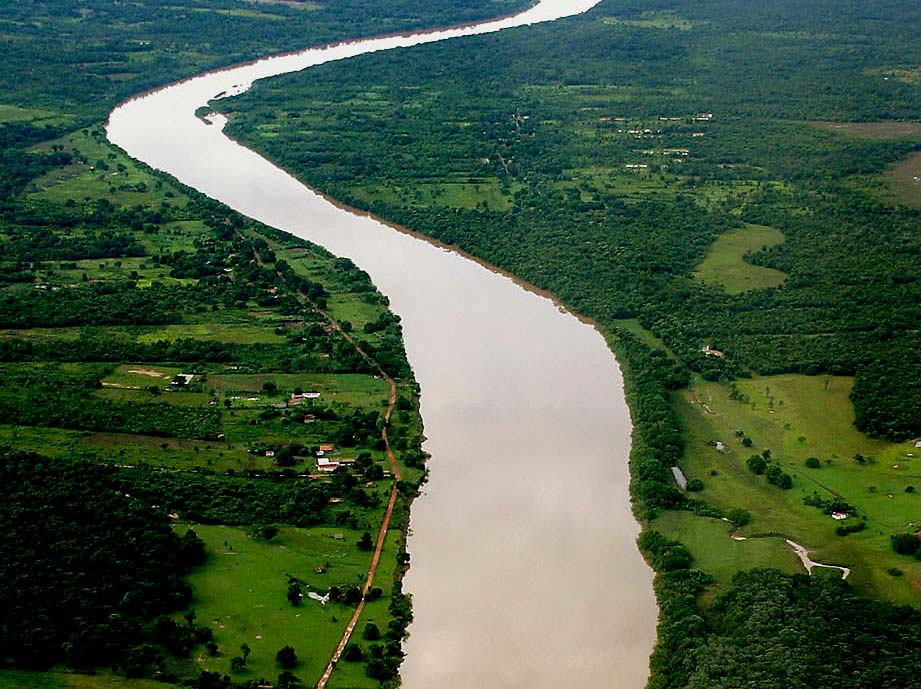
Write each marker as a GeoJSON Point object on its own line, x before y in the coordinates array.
{"type": "Point", "coordinates": [241, 594]}
{"type": "Point", "coordinates": [357, 389]}
{"type": "Point", "coordinates": [222, 332]}
{"type": "Point", "coordinates": [797, 417]}
{"type": "Point", "coordinates": [719, 555]}
{"type": "Point", "coordinates": [725, 265]}
{"type": "Point", "coordinates": [904, 181]}
{"type": "Point", "coordinates": [100, 171]}
{"type": "Point", "coordinates": [15, 113]}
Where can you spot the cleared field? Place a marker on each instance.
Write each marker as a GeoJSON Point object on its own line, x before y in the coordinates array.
{"type": "Point", "coordinates": [221, 332]}
{"type": "Point", "coordinates": [718, 554]}
{"type": "Point", "coordinates": [874, 130]}
{"type": "Point", "coordinates": [797, 417]}
{"type": "Point", "coordinates": [905, 181]}
{"type": "Point", "coordinates": [725, 265]}
{"type": "Point", "coordinates": [241, 593]}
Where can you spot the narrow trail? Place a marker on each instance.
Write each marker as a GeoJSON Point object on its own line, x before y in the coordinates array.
{"type": "Point", "coordinates": [803, 555]}
{"type": "Point", "coordinates": [397, 476]}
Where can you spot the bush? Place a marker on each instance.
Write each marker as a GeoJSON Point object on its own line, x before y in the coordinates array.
{"type": "Point", "coordinates": [905, 543]}
{"type": "Point", "coordinates": [695, 485]}
{"type": "Point", "coordinates": [813, 463]}
{"type": "Point", "coordinates": [757, 464]}
{"type": "Point", "coordinates": [353, 654]}
{"type": "Point", "coordinates": [739, 517]}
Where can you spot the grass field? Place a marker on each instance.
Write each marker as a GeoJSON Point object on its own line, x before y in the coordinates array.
{"type": "Point", "coordinates": [797, 417]}
{"type": "Point", "coordinates": [719, 555]}
{"type": "Point", "coordinates": [725, 265]}
{"type": "Point", "coordinates": [241, 594]}
{"type": "Point", "coordinates": [100, 171]}
{"type": "Point", "coordinates": [891, 129]}
{"type": "Point", "coordinates": [905, 181]}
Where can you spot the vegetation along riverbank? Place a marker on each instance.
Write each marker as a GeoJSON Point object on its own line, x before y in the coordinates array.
{"type": "Point", "coordinates": [723, 189]}
{"type": "Point", "coordinates": [195, 409]}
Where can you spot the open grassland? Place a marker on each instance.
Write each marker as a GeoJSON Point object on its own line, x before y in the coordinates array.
{"type": "Point", "coordinates": [725, 264]}
{"type": "Point", "coordinates": [893, 129]}
{"type": "Point", "coordinates": [241, 594]}
{"type": "Point", "coordinates": [716, 553]}
{"type": "Point", "coordinates": [905, 181]}
{"type": "Point", "coordinates": [798, 417]}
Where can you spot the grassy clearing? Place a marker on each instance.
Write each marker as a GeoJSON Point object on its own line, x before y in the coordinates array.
{"type": "Point", "coordinates": [632, 326]}
{"type": "Point", "coordinates": [353, 388]}
{"type": "Point", "coordinates": [904, 181]}
{"type": "Point", "coordinates": [220, 332]}
{"type": "Point", "coordinates": [14, 113]}
{"type": "Point", "coordinates": [797, 417]}
{"type": "Point", "coordinates": [101, 171]}
{"type": "Point", "coordinates": [874, 130]}
{"type": "Point", "coordinates": [241, 594]}
{"type": "Point", "coordinates": [725, 265]}
{"type": "Point", "coordinates": [718, 554]}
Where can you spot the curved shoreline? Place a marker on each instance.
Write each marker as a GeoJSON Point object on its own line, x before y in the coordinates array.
{"type": "Point", "coordinates": [508, 370]}
{"type": "Point", "coordinates": [320, 46]}
{"type": "Point", "coordinates": [453, 248]}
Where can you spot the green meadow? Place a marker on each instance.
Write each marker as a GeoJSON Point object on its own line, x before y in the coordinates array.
{"type": "Point", "coordinates": [725, 264]}
{"type": "Point", "coordinates": [241, 593]}
{"type": "Point", "coordinates": [796, 418]}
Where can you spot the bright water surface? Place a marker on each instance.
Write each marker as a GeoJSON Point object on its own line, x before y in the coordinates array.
{"type": "Point", "coordinates": [525, 572]}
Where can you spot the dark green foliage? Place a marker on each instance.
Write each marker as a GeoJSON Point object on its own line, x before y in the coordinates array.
{"type": "Point", "coordinates": [906, 543]}
{"type": "Point", "coordinates": [371, 632]}
{"type": "Point", "coordinates": [757, 464]}
{"type": "Point", "coordinates": [778, 477]}
{"type": "Point", "coordinates": [847, 530]}
{"type": "Point", "coordinates": [739, 517]}
{"type": "Point", "coordinates": [665, 555]}
{"type": "Point", "coordinates": [776, 631]}
{"type": "Point", "coordinates": [813, 463]}
{"type": "Point", "coordinates": [695, 485]}
{"type": "Point", "coordinates": [353, 654]}
{"type": "Point", "coordinates": [887, 397]}
{"type": "Point", "coordinates": [85, 565]}
{"type": "Point", "coordinates": [214, 499]}
{"type": "Point", "coordinates": [286, 657]}
{"type": "Point", "coordinates": [365, 542]}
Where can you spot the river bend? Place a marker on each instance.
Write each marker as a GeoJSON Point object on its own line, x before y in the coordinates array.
{"type": "Point", "coordinates": [525, 571]}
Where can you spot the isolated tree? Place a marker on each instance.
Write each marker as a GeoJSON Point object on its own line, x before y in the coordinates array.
{"type": "Point", "coordinates": [365, 542]}
{"type": "Point", "coordinates": [295, 593]}
{"type": "Point", "coordinates": [286, 657]}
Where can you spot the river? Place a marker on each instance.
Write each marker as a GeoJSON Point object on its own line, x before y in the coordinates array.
{"type": "Point", "coordinates": [525, 573]}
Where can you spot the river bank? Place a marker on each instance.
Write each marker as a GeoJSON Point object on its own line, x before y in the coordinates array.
{"type": "Point", "coordinates": [525, 386]}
